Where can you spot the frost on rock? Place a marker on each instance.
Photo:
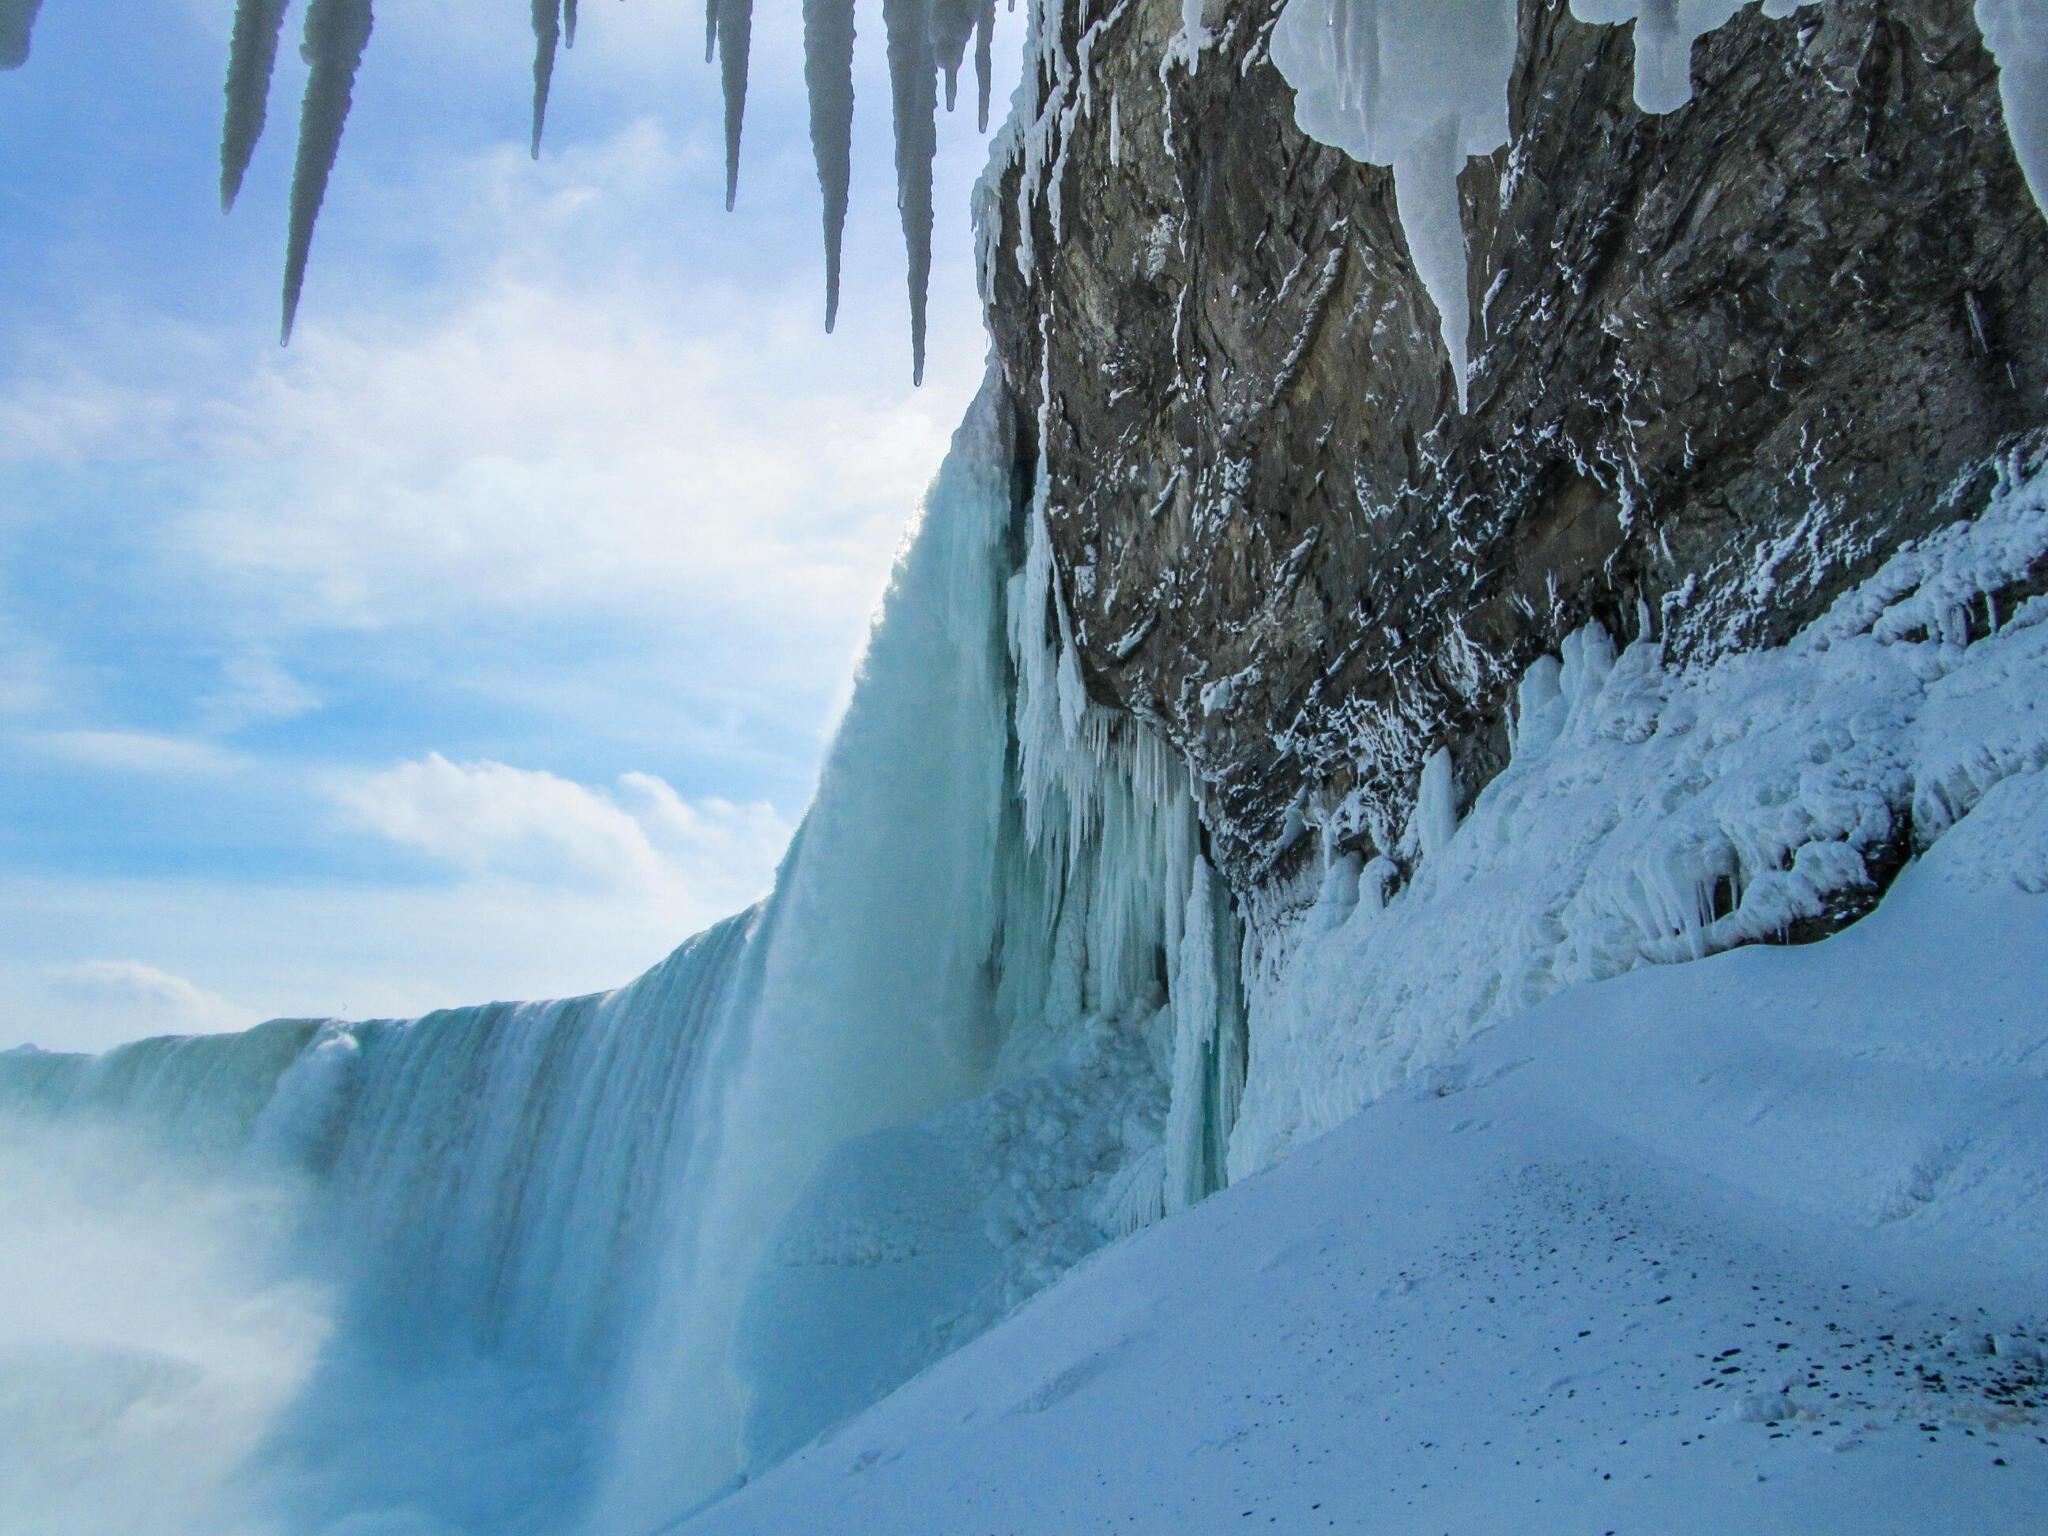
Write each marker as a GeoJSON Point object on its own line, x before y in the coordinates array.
{"type": "Point", "coordinates": [1652, 815]}
{"type": "Point", "coordinates": [337, 32]}
{"type": "Point", "coordinates": [252, 57]}
{"type": "Point", "coordinates": [17, 20]}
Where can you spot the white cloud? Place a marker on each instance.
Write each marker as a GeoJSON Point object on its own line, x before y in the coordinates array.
{"type": "Point", "coordinates": [24, 683]}
{"type": "Point", "coordinates": [136, 999]}
{"type": "Point", "coordinates": [578, 426]}
{"type": "Point", "coordinates": [139, 752]}
{"type": "Point", "coordinates": [488, 819]}
{"type": "Point", "coordinates": [254, 688]}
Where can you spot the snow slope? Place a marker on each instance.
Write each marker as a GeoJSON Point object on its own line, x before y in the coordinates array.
{"type": "Point", "coordinates": [1758, 1243]}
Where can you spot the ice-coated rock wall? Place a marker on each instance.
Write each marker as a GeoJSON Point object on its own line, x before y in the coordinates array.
{"type": "Point", "coordinates": [1723, 356]}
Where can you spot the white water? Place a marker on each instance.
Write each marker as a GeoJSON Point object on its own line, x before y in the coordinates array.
{"type": "Point", "coordinates": [583, 1264]}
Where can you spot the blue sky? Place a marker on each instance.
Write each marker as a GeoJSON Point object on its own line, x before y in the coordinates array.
{"type": "Point", "coordinates": [484, 642]}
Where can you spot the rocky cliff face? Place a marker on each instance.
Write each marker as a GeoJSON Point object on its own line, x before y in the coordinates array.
{"type": "Point", "coordinates": [1724, 362]}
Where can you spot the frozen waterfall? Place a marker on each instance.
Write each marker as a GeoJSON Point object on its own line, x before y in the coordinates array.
{"type": "Point", "coordinates": [988, 1018]}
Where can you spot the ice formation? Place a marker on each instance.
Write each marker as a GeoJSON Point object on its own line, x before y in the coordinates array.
{"type": "Point", "coordinates": [337, 32]}
{"type": "Point", "coordinates": [914, 106]}
{"type": "Point", "coordinates": [1421, 85]}
{"type": "Point", "coordinates": [1665, 31]}
{"type": "Point", "coordinates": [252, 57]}
{"type": "Point", "coordinates": [2016, 32]}
{"type": "Point", "coordinates": [999, 1010]}
{"type": "Point", "coordinates": [828, 78]}
{"type": "Point", "coordinates": [733, 30]}
{"type": "Point", "coordinates": [17, 20]}
{"type": "Point", "coordinates": [547, 37]}
{"type": "Point", "coordinates": [1653, 815]}
{"type": "Point", "coordinates": [1418, 85]}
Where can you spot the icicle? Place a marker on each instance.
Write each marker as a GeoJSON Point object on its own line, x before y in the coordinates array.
{"type": "Point", "coordinates": [547, 33]}
{"type": "Point", "coordinates": [2016, 33]}
{"type": "Point", "coordinates": [1208, 1046]}
{"type": "Point", "coordinates": [337, 32]}
{"type": "Point", "coordinates": [735, 34]}
{"type": "Point", "coordinates": [252, 56]}
{"type": "Point", "coordinates": [1588, 659]}
{"type": "Point", "coordinates": [1539, 709]}
{"type": "Point", "coordinates": [915, 97]}
{"type": "Point", "coordinates": [953, 23]}
{"type": "Point", "coordinates": [1418, 85]}
{"type": "Point", "coordinates": [1436, 804]}
{"type": "Point", "coordinates": [569, 23]}
{"type": "Point", "coordinates": [984, 37]}
{"type": "Point", "coordinates": [828, 78]}
{"type": "Point", "coordinates": [17, 20]}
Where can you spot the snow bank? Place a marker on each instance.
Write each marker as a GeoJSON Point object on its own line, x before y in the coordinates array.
{"type": "Point", "coordinates": [1652, 814]}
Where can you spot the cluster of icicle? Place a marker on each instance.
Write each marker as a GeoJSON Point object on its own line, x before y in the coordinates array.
{"type": "Point", "coordinates": [1421, 85]}
{"type": "Point", "coordinates": [926, 39]}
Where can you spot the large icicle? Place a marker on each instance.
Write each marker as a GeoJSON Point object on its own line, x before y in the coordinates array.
{"type": "Point", "coordinates": [915, 98]}
{"type": "Point", "coordinates": [952, 24]}
{"type": "Point", "coordinates": [735, 36]}
{"type": "Point", "coordinates": [252, 56]}
{"type": "Point", "coordinates": [547, 36]}
{"type": "Point", "coordinates": [828, 78]}
{"type": "Point", "coordinates": [2016, 32]}
{"type": "Point", "coordinates": [984, 60]}
{"type": "Point", "coordinates": [17, 20]}
{"type": "Point", "coordinates": [1418, 85]}
{"type": "Point", "coordinates": [1208, 1046]}
{"type": "Point", "coordinates": [337, 32]}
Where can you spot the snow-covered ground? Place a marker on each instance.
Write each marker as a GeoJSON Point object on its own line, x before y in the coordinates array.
{"type": "Point", "coordinates": [1757, 1243]}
